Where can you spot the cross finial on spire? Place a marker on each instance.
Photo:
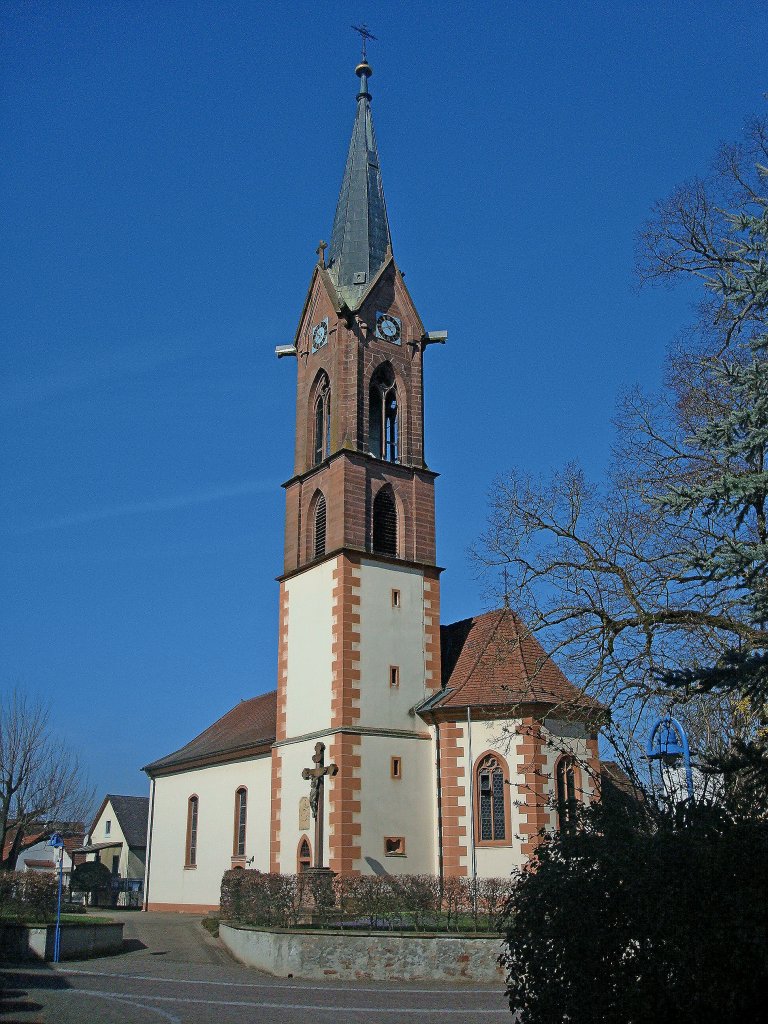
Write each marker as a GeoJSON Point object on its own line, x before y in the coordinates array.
{"type": "Point", "coordinates": [365, 35]}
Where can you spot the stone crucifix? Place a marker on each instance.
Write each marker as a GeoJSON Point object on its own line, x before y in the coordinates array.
{"type": "Point", "coordinates": [316, 776]}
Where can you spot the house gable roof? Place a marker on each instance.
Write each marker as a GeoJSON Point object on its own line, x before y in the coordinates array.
{"type": "Point", "coordinates": [490, 660]}
{"type": "Point", "coordinates": [250, 724]}
{"type": "Point", "coordinates": [131, 812]}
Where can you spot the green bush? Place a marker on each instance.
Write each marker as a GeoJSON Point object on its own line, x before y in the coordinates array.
{"type": "Point", "coordinates": [400, 902]}
{"type": "Point", "coordinates": [28, 896]}
{"type": "Point", "coordinates": [627, 921]}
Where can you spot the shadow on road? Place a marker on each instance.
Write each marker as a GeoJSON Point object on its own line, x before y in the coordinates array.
{"type": "Point", "coordinates": [18, 986]}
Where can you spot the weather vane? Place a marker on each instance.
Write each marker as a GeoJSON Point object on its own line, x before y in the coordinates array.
{"type": "Point", "coordinates": [365, 35]}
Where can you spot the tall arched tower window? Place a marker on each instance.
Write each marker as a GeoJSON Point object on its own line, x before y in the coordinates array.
{"type": "Point", "coordinates": [191, 845]}
{"type": "Point", "coordinates": [383, 415]}
{"type": "Point", "coordinates": [322, 429]}
{"type": "Point", "coordinates": [385, 523]}
{"type": "Point", "coordinates": [319, 526]}
{"type": "Point", "coordinates": [241, 813]}
{"type": "Point", "coordinates": [565, 784]}
{"type": "Point", "coordinates": [491, 800]}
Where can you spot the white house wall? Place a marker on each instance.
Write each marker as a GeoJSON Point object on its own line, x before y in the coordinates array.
{"type": "Point", "coordinates": [171, 885]}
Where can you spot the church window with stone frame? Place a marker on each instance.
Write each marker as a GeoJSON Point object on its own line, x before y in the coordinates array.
{"type": "Point", "coordinates": [319, 523]}
{"type": "Point", "coordinates": [565, 792]}
{"type": "Point", "coordinates": [304, 855]}
{"type": "Point", "coordinates": [491, 800]}
{"type": "Point", "coordinates": [191, 844]}
{"type": "Point", "coordinates": [383, 415]}
{"type": "Point", "coordinates": [241, 816]}
{"type": "Point", "coordinates": [385, 523]}
{"type": "Point", "coordinates": [322, 427]}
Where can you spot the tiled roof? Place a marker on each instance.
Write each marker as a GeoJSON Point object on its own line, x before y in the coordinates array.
{"type": "Point", "coordinates": [250, 723]}
{"type": "Point", "coordinates": [490, 660]}
{"type": "Point", "coordinates": [132, 813]}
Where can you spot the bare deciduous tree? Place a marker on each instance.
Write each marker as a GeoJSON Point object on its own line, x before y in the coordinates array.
{"type": "Point", "coordinates": [42, 784]}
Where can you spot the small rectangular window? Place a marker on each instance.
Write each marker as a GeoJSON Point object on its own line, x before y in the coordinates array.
{"type": "Point", "coordinates": [396, 767]}
{"type": "Point", "coordinates": [394, 846]}
{"type": "Point", "coordinates": [394, 676]}
{"type": "Point", "coordinates": [395, 598]}
{"type": "Point", "coordinates": [107, 827]}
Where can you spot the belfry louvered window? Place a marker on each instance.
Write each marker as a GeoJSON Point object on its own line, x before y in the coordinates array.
{"type": "Point", "coordinates": [320, 524]}
{"type": "Point", "coordinates": [385, 523]}
{"type": "Point", "coordinates": [383, 415]}
{"type": "Point", "coordinates": [490, 800]}
{"type": "Point", "coordinates": [322, 421]}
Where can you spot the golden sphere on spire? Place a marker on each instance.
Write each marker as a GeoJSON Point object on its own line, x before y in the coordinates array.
{"type": "Point", "coordinates": [363, 68]}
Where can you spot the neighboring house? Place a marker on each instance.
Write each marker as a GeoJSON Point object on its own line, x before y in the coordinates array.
{"type": "Point", "coordinates": [42, 857]}
{"type": "Point", "coordinates": [118, 839]}
{"type": "Point", "coordinates": [451, 745]}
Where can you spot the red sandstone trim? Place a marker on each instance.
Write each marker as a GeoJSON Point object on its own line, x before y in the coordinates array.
{"type": "Point", "coordinates": [432, 680]}
{"type": "Point", "coordinates": [345, 851]}
{"type": "Point", "coordinates": [532, 792]}
{"type": "Point", "coordinates": [454, 798]}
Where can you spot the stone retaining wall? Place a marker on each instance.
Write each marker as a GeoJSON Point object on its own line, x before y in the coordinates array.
{"type": "Point", "coordinates": [377, 956]}
{"type": "Point", "coordinates": [78, 941]}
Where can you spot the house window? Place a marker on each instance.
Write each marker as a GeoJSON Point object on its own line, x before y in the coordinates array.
{"type": "Point", "coordinates": [322, 446]}
{"type": "Point", "coordinates": [396, 767]}
{"type": "Point", "coordinates": [491, 800]}
{"type": "Point", "coordinates": [319, 526]}
{"type": "Point", "coordinates": [385, 523]}
{"type": "Point", "coordinates": [304, 858]}
{"type": "Point", "coordinates": [192, 808]}
{"type": "Point", "coordinates": [115, 864]}
{"type": "Point", "coordinates": [107, 827]}
{"type": "Point", "coordinates": [565, 783]}
{"type": "Point", "coordinates": [394, 676]}
{"type": "Point", "coordinates": [394, 846]}
{"type": "Point", "coordinates": [383, 419]}
{"type": "Point", "coordinates": [241, 812]}
{"type": "Point", "coordinates": [395, 598]}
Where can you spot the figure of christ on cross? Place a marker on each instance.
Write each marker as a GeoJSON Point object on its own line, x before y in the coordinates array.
{"type": "Point", "coordinates": [316, 776]}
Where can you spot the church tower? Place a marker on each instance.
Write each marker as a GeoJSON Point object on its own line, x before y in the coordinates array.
{"type": "Point", "coordinates": [359, 595]}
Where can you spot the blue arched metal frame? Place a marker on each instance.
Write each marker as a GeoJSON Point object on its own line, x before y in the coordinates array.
{"type": "Point", "coordinates": [671, 742]}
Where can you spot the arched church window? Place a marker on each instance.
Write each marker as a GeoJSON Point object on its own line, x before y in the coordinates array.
{"type": "Point", "coordinates": [190, 859]}
{"type": "Point", "coordinates": [491, 802]}
{"type": "Point", "coordinates": [383, 415]}
{"type": "Point", "coordinates": [304, 857]}
{"type": "Point", "coordinates": [385, 523]}
{"type": "Point", "coordinates": [319, 526]}
{"type": "Point", "coordinates": [565, 786]}
{"type": "Point", "coordinates": [322, 447]}
{"type": "Point", "coordinates": [241, 814]}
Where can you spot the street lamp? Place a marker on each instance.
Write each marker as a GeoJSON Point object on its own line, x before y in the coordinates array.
{"type": "Point", "coordinates": [58, 844]}
{"type": "Point", "coordinates": [668, 743]}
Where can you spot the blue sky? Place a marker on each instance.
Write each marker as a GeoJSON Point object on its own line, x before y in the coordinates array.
{"type": "Point", "coordinates": [168, 171]}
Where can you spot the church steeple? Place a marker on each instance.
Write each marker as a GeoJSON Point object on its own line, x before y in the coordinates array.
{"type": "Point", "coordinates": [360, 242]}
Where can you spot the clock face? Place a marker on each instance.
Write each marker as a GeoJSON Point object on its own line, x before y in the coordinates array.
{"type": "Point", "coordinates": [388, 328]}
{"type": "Point", "coordinates": [320, 335]}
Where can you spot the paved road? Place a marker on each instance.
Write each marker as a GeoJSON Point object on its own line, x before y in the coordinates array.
{"type": "Point", "coordinates": [172, 970]}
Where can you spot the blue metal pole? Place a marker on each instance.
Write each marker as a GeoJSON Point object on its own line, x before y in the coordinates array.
{"type": "Point", "coordinates": [57, 943]}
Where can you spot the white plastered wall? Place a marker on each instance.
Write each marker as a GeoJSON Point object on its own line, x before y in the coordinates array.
{"type": "Point", "coordinates": [310, 657]}
{"type": "Point", "coordinates": [405, 807]}
{"type": "Point", "coordinates": [498, 736]}
{"type": "Point", "coordinates": [169, 881]}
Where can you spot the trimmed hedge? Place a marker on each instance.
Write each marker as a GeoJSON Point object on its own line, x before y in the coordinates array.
{"type": "Point", "coordinates": [404, 902]}
{"type": "Point", "coordinates": [27, 896]}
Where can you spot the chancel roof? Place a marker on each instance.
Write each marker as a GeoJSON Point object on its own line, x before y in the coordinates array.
{"type": "Point", "coordinates": [250, 724]}
{"type": "Point", "coordinates": [360, 241]}
{"type": "Point", "coordinates": [491, 660]}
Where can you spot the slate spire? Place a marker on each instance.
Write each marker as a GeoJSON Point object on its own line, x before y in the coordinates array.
{"type": "Point", "coordinates": [360, 242]}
